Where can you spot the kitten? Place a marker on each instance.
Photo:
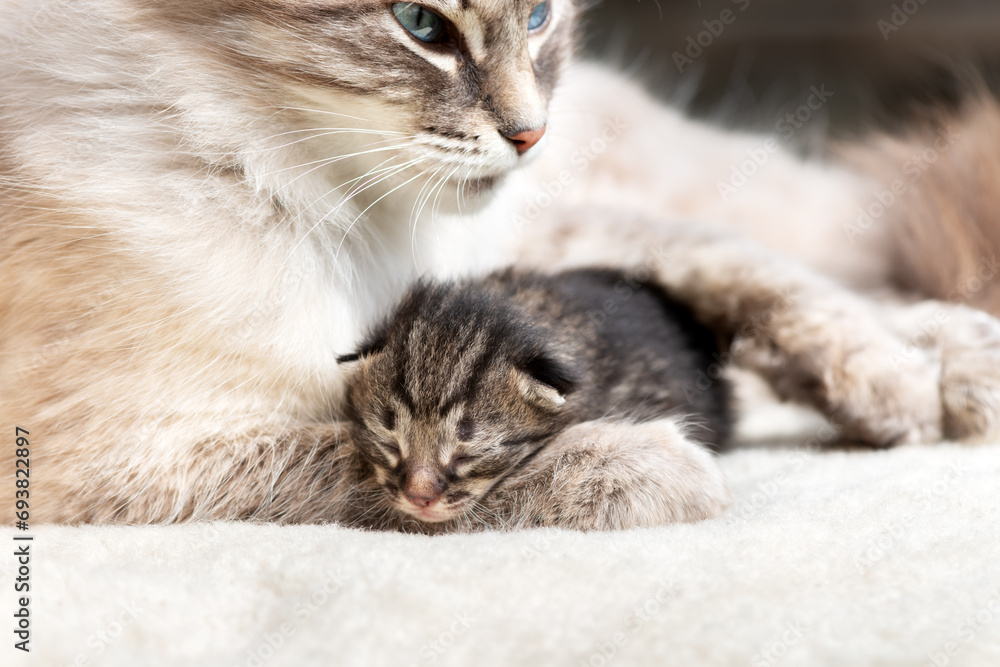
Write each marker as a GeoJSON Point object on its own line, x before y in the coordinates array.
{"type": "Point", "coordinates": [466, 380]}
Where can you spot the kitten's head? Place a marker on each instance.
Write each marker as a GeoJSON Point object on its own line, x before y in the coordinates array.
{"type": "Point", "coordinates": [450, 395]}
{"type": "Point", "coordinates": [457, 89]}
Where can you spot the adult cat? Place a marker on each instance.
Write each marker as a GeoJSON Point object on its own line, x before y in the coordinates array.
{"type": "Point", "coordinates": [202, 203]}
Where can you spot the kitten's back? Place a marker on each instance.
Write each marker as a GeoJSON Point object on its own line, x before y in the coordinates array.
{"type": "Point", "coordinates": [641, 353]}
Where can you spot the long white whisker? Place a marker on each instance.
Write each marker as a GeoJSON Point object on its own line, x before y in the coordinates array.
{"type": "Point", "coordinates": [440, 189]}
{"type": "Point", "coordinates": [327, 161]}
{"type": "Point", "coordinates": [323, 111]}
{"type": "Point", "coordinates": [360, 215]}
{"type": "Point", "coordinates": [322, 164]}
{"type": "Point", "coordinates": [318, 136]}
{"type": "Point", "coordinates": [392, 170]}
{"type": "Point", "coordinates": [415, 211]}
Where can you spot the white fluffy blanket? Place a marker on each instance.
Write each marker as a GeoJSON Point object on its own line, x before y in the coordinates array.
{"type": "Point", "coordinates": [826, 558]}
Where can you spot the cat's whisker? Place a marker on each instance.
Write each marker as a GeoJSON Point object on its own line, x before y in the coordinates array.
{"type": "Point", "coordinates": [361, 215]}
{"type": "Point", "coordinates": [395, 170]}
{"type": "Point", "coordinates": [476, 511]}
{"type": "Point", "coordinates": [321, 220]}
{"type": "Point", "coordinates": [502, 521]}
{"type": "Point", "coordinates": [339, 158]}
{"type": "Point", "coordinates": [460, 192]}
{"type": "Point", "coordinates": [440, 188]}
{"type": "Point", "coordinates": [392, 170]}
{"type": "Point", "coordinates": [389, 173]}
{"type": "Point", "coordinates": [415, 211]}
{"type": "Point", "coordinates": [364, 186]}
{"type": "Point", "coordinates": [330, 129]}
{"type": "Point", "coordinates": [426, 198]}
{"type": "Point", "coordinates": [373, 505]}
{"type": "Point", "coordinates": [376, 169]}
{"type": "Point", "coordinates": [326, 112]}
{"type": "Point", "coordinates": [320, 164]}
{"type": "Point", "coordinates": [320, 134]}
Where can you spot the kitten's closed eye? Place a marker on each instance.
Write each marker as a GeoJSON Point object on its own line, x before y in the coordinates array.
{"type": "Point", "coordinates": [462, 459]}
{"type": "Point", "coordinates": [393, 449]}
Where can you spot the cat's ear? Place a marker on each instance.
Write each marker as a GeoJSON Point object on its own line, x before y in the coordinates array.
{"type": "Point", "coordinates": [545, 381]}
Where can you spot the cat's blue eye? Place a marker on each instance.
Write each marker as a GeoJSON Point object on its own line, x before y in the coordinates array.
{"type": "Point", "coordinates": [539, 16]}
{"type": "Point", "coordinates": [421, 22]}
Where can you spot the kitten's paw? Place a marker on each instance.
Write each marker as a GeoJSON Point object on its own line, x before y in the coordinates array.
{"type": "Point", "coordinates": [606, 475]}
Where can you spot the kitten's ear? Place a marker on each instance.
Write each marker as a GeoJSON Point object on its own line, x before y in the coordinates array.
{"type": "Point", "coordinates": [545, 381]}
{"type": "Point", "coordinates": [369, 348]}
{"type": "Point", "coordinates": [349, 358]}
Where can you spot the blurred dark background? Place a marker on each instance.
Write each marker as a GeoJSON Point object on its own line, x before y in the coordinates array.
{"type": "Point", "coordinates": [755, 60]}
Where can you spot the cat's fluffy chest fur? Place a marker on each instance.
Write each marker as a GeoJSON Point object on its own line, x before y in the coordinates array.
{"type": "Point", "coordinates": [247, 223]}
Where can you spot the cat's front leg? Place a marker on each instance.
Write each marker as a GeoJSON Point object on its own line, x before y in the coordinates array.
{"type": "Point", "coordinates": [611, 475]}
{"type": "Point", "coordinates": [814, 340]}
{"type": "Point", "coordinates": [966, 342]}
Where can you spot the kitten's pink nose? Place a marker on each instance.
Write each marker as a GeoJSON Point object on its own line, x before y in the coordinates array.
{"type": "Point", "coordinates": [423, 487]}
{"type": "Point", "coordinates": [525, 141]}
{"type": "Point", "coordinates": [422, 501]}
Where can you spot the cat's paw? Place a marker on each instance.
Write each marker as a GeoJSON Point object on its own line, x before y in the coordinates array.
{"type": "Point", "coordinates": [970, 374]}
{"type": "Point", "coordinates": [607, 475]}
{"type": "Point", "coordinates": [965, 342]}
{"type": "Point", "coordinates": [873, 383]}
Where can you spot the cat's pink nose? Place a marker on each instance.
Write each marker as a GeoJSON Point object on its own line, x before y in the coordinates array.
{"type": "Point", "coordinates": [525, 141]}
